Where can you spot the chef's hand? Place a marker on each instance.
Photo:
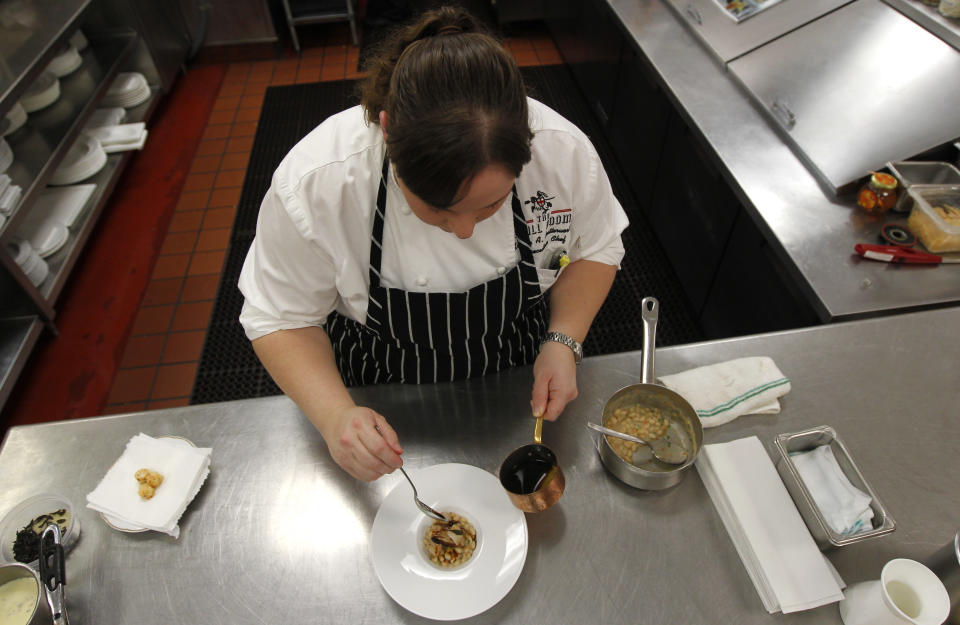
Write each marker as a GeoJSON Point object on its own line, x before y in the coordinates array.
{"type": "Point", "coordinates": [358, 448]}
{"type": "Point", "coordinates": [554, 380]}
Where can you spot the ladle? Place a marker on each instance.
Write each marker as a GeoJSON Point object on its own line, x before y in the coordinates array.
{"type": "Point", "coordinates": [662, 449]}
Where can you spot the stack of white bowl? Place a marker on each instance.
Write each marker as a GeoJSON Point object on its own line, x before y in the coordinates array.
{"type": "Point", "coordinates": [30, 262]}
{"type": "Point", "coordinates": [16, 117]}
{"type": "Point", "coordinates": [111, 116]}
{"type": "Point", "coordinates": [85, 158]}
{"type": "Point", "coordinates": [42, 93]}
{"type": "Point", "coordinates": [6, 156]}
{"type": "Point", "coordinates": [65, 62]}
{"type": "Point", "coordinates": [127, 90]}
{"type": "Point", "coordinates": [9, 197]}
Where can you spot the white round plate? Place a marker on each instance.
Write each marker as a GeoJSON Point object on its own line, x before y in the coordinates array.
{"type": "Point", "coordinates": [448, 594]}
{"type": "Point", "coordinates": [49, 237]}
{"type": "Point", "coordinates": [124, 526]}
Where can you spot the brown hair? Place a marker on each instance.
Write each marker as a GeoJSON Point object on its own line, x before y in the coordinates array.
{"type": "Point", "coordinates": [455, 104]}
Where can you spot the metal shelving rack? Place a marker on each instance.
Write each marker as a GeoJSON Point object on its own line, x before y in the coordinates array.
{"type": "Point", "coordinates": [26, 47]}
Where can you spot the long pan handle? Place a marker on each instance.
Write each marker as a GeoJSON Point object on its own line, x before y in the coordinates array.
{"type": "Point", "coordinates": [650, 313]}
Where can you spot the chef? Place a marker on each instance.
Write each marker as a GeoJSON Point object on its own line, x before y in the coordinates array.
{"type": "Point", "coordinates": [415, 238]}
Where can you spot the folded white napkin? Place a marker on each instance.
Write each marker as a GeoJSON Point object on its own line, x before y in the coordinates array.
{"type": "Point", "coordinates": [184, 469]}
{"type": "Point", "coordinates": [844, 506]}
{"type": "Point", "coordinates": [723, 391]}
{"type": "Point", "coordinates": [120, 138]}
{"type": "Point", "coordinates": [782, 559]}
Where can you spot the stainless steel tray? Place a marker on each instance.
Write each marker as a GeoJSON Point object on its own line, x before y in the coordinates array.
{"type": "Point", "coordinates": [921, 174]}
{"type": "Point", "coordinates": [822, 533]}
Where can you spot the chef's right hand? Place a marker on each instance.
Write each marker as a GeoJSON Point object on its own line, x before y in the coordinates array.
{"type": "Point", "coordinates": [359, 449]}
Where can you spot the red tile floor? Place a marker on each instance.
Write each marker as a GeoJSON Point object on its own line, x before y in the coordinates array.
{"type": "Point", "coordinates": [157, 361]}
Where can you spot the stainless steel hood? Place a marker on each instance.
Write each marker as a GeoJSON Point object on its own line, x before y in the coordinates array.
{"type": "Point", "coordinates": [728, 39]}
{"type": "Point", "coordinates": [855, 89]}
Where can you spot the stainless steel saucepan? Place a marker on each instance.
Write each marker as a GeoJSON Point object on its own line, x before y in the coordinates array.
{"type": "Point", "coordinates": [652, 474]}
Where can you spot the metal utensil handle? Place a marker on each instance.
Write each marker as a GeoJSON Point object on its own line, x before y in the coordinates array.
{"type": "Point", "coordinates": [53, 573]}
{"type": "Point", "coordinates": [650, 313]}
{"type": "Point", "coordinates": [616, 434]}
{"type": "Point", "coordinates": [538, 431]}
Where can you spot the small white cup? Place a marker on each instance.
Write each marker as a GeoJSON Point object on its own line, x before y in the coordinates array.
{"type": "Point", "coordinates": [907, 592]}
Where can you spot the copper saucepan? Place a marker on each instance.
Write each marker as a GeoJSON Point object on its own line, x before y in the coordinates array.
{"type": "Point", "coordinates": [532, 476]}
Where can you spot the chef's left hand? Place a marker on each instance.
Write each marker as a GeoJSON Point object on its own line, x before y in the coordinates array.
{"type": "Point", "coordinates": [554, 380]}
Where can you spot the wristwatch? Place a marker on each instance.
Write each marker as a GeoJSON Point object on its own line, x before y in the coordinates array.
{"type": "Point", "coordinates": [559, 337]}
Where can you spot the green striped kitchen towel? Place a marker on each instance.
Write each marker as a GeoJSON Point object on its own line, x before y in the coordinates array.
{"type": "Point", "coordinates": [723, 391]}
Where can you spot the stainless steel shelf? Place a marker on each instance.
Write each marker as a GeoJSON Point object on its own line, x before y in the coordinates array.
{"type": "Point", "coordinates": [29, 35]}
{"type": "Point", "coordinates": [17, 338]}
{"type": "Point", "coordinates": [931, 19]}
{"type": "Point", "coordinates": [62, 263]}
{"type": "Point", "coordinates": [40, 145]}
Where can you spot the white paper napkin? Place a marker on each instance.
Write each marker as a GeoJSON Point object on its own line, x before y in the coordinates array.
{"type": "Point", "coordinates": [723, 391]}
{"type": "Point", "coordinates": [782, 559]}
{"type": "Point", "coordinates": [844, 506]}
{"type": "Point", "coordinates": [184, 469]}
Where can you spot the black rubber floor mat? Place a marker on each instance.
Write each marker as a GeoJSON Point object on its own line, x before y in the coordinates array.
{"type": "Point", "coordinates": [228, 367]}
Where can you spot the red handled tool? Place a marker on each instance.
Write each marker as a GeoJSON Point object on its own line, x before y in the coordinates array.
{"type": "Point", "coordinates": [896, 254]}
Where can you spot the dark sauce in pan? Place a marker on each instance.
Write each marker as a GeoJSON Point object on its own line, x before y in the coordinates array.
{"type": "Point", "coordinates": [525, 470]}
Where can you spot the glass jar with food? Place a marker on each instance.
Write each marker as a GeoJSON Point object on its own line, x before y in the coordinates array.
{"type": "Point", "coordinates": [879, 194]}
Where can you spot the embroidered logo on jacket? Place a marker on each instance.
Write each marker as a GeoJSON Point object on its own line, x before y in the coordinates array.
{"type": "Point", "coordinates": [548, 224]}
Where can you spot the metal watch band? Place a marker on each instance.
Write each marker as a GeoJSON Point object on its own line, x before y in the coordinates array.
{"type": "Point", "coordinates": [559, 337]}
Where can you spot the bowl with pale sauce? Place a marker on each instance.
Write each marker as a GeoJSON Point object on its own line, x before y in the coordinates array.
{"type": "Point", "coordinates": [20, 596]}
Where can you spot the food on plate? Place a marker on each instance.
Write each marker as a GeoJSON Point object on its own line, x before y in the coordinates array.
{"type": "Point", "coordinates": [149, 482]}
{"type": "Point", "coordinates": [146, 491]}
{"type": "Point", "coordinates": [939, 231]}
{"type": "Point", "coordinates": [636, 420]}
{"type": "Point", "coordinates": [26, 545]}
{"type": "Point", "coordinates": [450, 544]}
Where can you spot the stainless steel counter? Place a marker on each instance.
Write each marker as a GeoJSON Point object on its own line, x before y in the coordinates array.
{"type": "Point", "coordinates": [606, 554]}
{"type": "Point", "coordinates": [813, 233]}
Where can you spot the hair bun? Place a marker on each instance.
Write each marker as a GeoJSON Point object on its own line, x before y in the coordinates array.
{"type": "Point", "coordinates": [449, 29]}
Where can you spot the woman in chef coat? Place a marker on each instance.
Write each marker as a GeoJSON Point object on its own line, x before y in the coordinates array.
{"type": "Point", "coordinates": [413, 239]}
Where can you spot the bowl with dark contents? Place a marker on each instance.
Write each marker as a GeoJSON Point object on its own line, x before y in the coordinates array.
{"type": "Point", "coordinates": [22, 526]}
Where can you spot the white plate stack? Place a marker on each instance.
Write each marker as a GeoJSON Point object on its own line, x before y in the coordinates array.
{"type": "Point", "coordinates": [66, 62]}
{"type": "Point", "coordinates": [30, 262]}
{"type": "Point", "coordinates": [42, 93]}
{"type": "Point", "coordinates": [127, 90]}
{"type": "Point", "coordinates": [84, 159]}
{"type": "Point", "coordinates": [112, 116]}
{"type": "Point", "coordinates": [6, 156]}
{"type": "Point", "coordinates": [16, 117]}
{"type": "Point", "coordinates": [9, 197]}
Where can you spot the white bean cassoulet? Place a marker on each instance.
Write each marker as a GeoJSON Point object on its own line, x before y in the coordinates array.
{"type": "Point", "coordinates": [449, 545]}
{"type": "Point", "coordinates": [636, 420]}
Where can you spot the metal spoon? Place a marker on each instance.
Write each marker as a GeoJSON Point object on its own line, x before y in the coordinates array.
{"type": "Point", "coordinates": [661, 448]}
{"type": "Point", "coordinates": [424, 508]}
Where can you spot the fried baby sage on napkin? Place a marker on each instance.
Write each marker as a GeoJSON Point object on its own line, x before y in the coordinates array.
{"type": "Point", "coordinates": [184, 468]}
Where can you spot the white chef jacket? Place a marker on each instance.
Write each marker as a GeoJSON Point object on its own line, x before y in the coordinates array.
{"type": "Point", "coordinates": [311, 253]}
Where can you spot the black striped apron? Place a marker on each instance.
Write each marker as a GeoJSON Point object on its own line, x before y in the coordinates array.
{"type": "Point", "coordinates": [418, 338]}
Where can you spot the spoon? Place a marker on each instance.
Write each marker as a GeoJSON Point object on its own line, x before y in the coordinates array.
{"type": "Point", "coordinates": [424, 508]}
{"type": "Point", "coordinates": [661, 448]}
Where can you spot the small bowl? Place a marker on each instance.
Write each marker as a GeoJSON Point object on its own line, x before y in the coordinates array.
{"type": "Point", "coordinates": [25, 512]}
{"type": "Point", "coordinates": [12, 572]}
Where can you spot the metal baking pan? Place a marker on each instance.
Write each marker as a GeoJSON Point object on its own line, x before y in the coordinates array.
{"type": "Point", "coordinates": [822, 533]}
{"type": "Point", "coordinates": [921, 174]}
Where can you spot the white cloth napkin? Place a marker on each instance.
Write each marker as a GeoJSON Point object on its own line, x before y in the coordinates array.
{"type": "Point", "coordinates": [183, 467]}
{"type": "Point", "coordinates": [782, 559]}
{"type": "Point", "coordinates": [845, 507]}
{"type": "Point", "coordinates": [723, 391]}
{"type": "Point", "coordinates": [120, 138]}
